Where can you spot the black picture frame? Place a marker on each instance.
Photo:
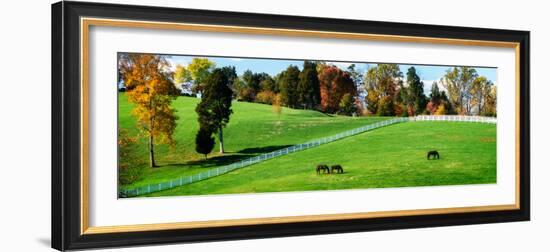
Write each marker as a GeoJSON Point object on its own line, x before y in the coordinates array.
{"type": "Point", "coordinates": [66, 124]}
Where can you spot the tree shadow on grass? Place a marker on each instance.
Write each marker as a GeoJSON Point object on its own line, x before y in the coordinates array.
{"type": "Point", "coordinates": [262, 150]}
{"type": "Point", "coordinates": [229, 157]}
{"type": "Point", "coordinates": [214, 161]}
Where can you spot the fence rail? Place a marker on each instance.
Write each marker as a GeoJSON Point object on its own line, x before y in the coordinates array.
{"type": "Point", "coordinates": [454, 118]}
{"type": "Point", "coordinates": [185, 180]}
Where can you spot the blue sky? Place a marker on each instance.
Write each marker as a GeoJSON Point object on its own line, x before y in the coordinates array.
{"type": "Point", "coordinates": [428, 74]}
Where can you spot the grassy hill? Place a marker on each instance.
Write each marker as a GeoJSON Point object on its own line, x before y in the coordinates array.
{"type": "Point", "coordinates": [253, 129]}
{"type": "Point", "coordinates": [393, 156]}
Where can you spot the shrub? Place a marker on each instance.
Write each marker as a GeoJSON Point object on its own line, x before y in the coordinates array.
{"type": "Point", "coordinates": [266, 97]}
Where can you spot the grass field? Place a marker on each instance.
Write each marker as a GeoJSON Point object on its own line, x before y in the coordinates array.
{"type": "Point", "coordinates": [253, 129]}
{"type": "Point", "coordinates": [393, 156]}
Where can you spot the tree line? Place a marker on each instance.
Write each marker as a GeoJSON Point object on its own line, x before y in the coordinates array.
{"type": "Point", "coordinates": [317, 85]}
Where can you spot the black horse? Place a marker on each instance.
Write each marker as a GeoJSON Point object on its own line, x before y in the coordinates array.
{"type": "Point", "coordinates": [322, 167]}
{"type": "Point", "coordinates": [433, 153]}
{"type": "Point", "coordinates": [337, 168]}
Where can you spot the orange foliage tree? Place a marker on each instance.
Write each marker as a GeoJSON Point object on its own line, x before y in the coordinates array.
{"type": "Point", "coordinates": [150, 88]}
{"type": "Point", "coordinates": [334, 84]}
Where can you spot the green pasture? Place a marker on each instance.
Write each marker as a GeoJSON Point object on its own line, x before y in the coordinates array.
{"type": "Point", "coordinates": [394, 156]}
{"type": "Point", "coordinates": [253, 129]}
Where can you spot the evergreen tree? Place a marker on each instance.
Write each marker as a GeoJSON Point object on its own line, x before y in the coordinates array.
{"type": "Point", "coordinates": [416, 97]}
{"type": "Point", "coordinates": [204, 142]}
{"type": "Point", "coordinates": [288, 83]}
{"type": "Point", "coordinates": [214, 109]}
{"type": "Point", "coordinates": [308, 86]}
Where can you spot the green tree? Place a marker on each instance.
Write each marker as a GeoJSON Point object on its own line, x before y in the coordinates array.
{"type": "Point", "coordinates": [288, 83]}
{"type": "Point", "coordinates": [181, 74]}
{"type": "Point", "coordinates": [214, 109]}
{"type": "Point", "coordinates": [252, 82]}
{"type": "Point", "coordinates": [415, 92]}
{"type": "Point", "coordinates": [204, 142]}
{"type": "Point", "coordinates": [231, 74]}
{"type": "Point", "coordinates": [150, 88]}
{"type": "Point", "coordinates": [199, 69]}
{"type": "Point", "coordinates": [347, 105]}
{"type": "Point", "coordinates": [308, 86]}
{"type": "Point", "coordinates": [268, 84]}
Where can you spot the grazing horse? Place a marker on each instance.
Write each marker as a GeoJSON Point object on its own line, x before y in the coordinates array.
{"type": "Point", "coordinates": [337, 168]}
{"type": "Point", "coordinates": [323, 168]}
{"type": "Point", "coordinates": [433, 154]}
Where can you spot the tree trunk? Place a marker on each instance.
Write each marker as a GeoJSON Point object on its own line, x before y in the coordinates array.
{"type": "Point", "coordinates": [220, 136]}
{"type": "Point", "coordinates": [151, 152]}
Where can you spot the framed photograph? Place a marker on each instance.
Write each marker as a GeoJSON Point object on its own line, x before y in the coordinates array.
{"type": "Point", "coordinates": [183, 125]}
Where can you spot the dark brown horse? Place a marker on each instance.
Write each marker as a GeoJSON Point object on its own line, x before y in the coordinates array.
{"type": "Point", "coordinates": [337, 168]}
{"type": "Point", "coordinates": [322, 167]}
{"type": "Point", "coordinates": [433, 153]}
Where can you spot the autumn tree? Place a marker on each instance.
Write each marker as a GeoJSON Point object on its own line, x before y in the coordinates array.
{"type": "Point", "coordinates": [438, 102]}
{"type": "Point", "coordinates": [334, 84]}
{"type": "Point", "coordinates": [276, 106]}
{"type": "Point", "coordinates": [308, 92]}
{"type": "Point", "coordinates": [490, 105]}
{"type": "Point", "coordinates": [199, 70]}
{"type": "Point", "coordinates": [482, 99]}
{"type": "Point", "coordinates": [241, 91]}
{"type": "Point", "coordinates": [204, 142]}
{"type": "Point", "coordinates": [382, 83]}
{"type": "Point", "coordinates": [214, 109]}
{"type": "Point", "coordinates": [288, 83]}
{"type": "Point", "coordinates": [458, 81]}
{"type": "Point", "coordinates": [151, 90]}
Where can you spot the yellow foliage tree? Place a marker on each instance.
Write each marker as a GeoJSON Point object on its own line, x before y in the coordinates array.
{"type": "Point", "coordinates": [149, 87]}
{"type": "Point", "coordinates": [440, 109]}
{"type": "Point", "coordinates": [277, 105]}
